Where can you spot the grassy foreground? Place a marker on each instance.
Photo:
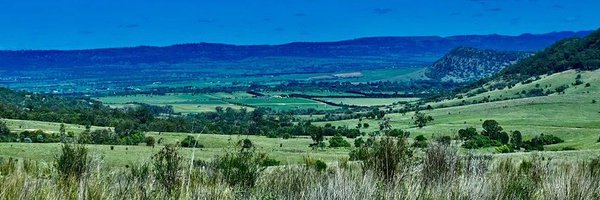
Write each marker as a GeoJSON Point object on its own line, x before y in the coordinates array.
{"type": "Point", "coordinates": [292, 151]}
{"type": "Point", "coordinates": [440, 173]}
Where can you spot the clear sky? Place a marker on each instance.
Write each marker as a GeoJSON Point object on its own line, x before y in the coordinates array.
{"type": "Point", "coordinates": [78, 24]}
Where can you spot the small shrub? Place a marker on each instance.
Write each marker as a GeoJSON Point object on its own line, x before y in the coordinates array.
{"type": "Point", "coordinates": [420, 144]}
{"type": "Point", "coordinates": [420, 138]}
{"type": "Point", "coordinates": [191, 142]}
{"type": "Point", "coordinates": [444, 140]}
{"type": "Point", "coordinates": [73, 162]}
{"type": "Point", "coordinates": [270, 162]}
{"type": "Point", "coordinates": [150, 141]}
{"type": "Point", "coordinates": [5, 134]}
{"type": "Point", "coordinates": [588, 85]}
{"type": "Point", "coordinates": [398, 133]}
{"type": "Point", "coordinates": [569, 149]}
{"type": "Point", "coordinates": [561, 88]}
{"type": "Point", "coordinates": [7, 165]}
{"type": "Point", "coordinates": [167, 170]}
{"type": "Point", "coordinates": [40, 138]}
{"type": "Point", "coordinates": [4, 130]}
{"type": "Point", "coordinates": [316, 164]}
{"type": "Point", "coordinates": [246, 144]}
{"type": "Point", "coordinates": [271, 135]}
{"type": "Point", "coordinates": [441, 164]}
{"type": "Point", "coordinates": [338, 141]}
{"type": "Point", "coordinates": [242, 168]}
{"type": "Point", "coordinates": [359, 142]}
{"type": "Point", "coordinates": [386, 156]}
{"type": "Point", "coordinates": [503, 149]}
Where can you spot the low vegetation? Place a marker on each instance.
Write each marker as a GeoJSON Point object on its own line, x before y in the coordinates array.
{"type": "Point", "coordinates": [391, 171]}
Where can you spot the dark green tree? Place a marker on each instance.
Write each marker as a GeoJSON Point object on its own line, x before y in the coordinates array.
{"type": "Point", "coordinates": [338, 141]}
{"type": "Point", "coordinates": [516, 140]}
{"type": "Point", "coordinates": [421, 119]}
{"type": "Point", "coordinates": [316, 134]}
{"type": "Point", "coordinates": [467, 133]}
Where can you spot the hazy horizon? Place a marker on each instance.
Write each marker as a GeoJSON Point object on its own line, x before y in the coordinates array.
{"type": "Point", "coordinates": [68, 24]}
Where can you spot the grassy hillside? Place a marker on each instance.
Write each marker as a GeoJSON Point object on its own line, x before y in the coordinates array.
{"type": "Point", "coordinates": [544, 84]}
{"type": "Point", "coordinates": [571, 116]}
{"type": "Point", "coordinates": [576, 53]}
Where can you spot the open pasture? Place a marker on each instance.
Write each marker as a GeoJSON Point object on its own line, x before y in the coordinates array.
{"type": "Point", "coordinates": [368, 101]}
{"type": "Point", "coordinates": [182, 103]}
{"type": "Point", "coordinates": [290, 151]}
{"type": "Point", "coordinates": [282, 103]}
{"type": "Point", "coordinates": [572, 117]}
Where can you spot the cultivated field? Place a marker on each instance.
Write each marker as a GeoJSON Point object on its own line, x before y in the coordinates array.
{"type": "Point", "coordinates": [282, 103]}
{"type": "Point", "coordinates": [182, 103]}
{"type": "Point", "coordinates": [369, 101]}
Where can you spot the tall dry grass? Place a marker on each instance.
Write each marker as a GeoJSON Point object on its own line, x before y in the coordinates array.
{"type": "Point", "coordinates": [441, 173]}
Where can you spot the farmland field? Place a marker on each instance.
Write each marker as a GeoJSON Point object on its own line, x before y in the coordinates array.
{"type": "Point", "coordinates": [282, 103]}
{"type": "Point", "coordinates": [368, 101]}
{"type": "Point", "coordinates": [311, 93]}
{"type": "Point", "coordinates": [291, 150]}
{"type": "Point", "coordinates": [182, 103]}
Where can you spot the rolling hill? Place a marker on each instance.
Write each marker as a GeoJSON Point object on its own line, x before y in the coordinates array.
{"type": "Point", "coordinates": [466, 64]}
{"type": "Point", "coordinates": [575, 53]}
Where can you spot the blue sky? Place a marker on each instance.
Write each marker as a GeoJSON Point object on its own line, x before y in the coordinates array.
{"type": "Point", "coordinates": [79, 24]}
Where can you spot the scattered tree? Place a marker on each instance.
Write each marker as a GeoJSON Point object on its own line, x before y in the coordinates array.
{"type": "Point", "coordinates": [190, 142]}
{"type": "Point", "coordinates": [467, 133]}
{"type": "Point", "coordinates": [150, 141]}
{"type": "Point", "coordinates": [421, 119]}
{"type": "Point", "coordinates": [516, 140]}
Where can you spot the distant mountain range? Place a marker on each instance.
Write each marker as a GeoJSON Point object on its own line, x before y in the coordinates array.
{"type": "Point", "coordinates": [397, 51]}
{"type": "Point", "coordinates": [465, 64]}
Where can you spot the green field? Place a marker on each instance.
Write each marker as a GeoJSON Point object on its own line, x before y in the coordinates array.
{"type": "Point", "coordinates": [182, 103]}
{"type": "Point", "coordinates": [368, 101]}
{"type": "Point", "coordinates": [195, 103]}
{"type": "Point", "coordinates": [282, 103]}
{"type": "Point", "coordinates": [290, 151]}
{"type": "Point", "coordinates": [571, 116]}
{"type": "Point", "coordinates": [16, 125]}
{"type": "Point", "coordinates": [312, 93]}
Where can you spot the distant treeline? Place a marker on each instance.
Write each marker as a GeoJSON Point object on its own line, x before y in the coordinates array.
{"type": "Point", "coordinates": [128, 123]}
{"type": "Point", "coordinates": [376, 89]}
